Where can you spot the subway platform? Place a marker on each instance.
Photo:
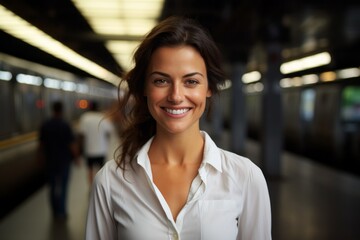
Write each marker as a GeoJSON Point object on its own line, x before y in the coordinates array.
{"type": "Point", "coordinates": [310, 201]}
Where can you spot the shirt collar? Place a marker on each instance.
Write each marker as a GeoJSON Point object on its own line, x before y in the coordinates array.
{"type": "Point", "coordinates": [211, 155]}
{"type": "Point", "coordinates": [143, 157]}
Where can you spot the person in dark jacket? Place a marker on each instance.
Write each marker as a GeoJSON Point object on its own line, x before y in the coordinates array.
{"type": "Point", "coordinates": [57, 146]}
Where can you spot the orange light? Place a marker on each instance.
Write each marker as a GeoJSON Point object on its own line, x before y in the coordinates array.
{"type": "Point", "coordinates": [328, 76]}
{"type": "Point", "coordinates": [83, 104]}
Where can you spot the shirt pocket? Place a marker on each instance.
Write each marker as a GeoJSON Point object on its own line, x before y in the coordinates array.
{"type": "Point", "coordinates": [218, 219]}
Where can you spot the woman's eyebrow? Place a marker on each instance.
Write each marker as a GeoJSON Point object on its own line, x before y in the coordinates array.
{"type": "Point", "coordinates": [159, 73]}
{"type": "Point", "coordinates": [167, 75]}
{"type": "Point", "coordinates": [193, 73]}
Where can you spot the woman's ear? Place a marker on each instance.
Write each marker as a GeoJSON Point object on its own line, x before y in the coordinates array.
{"type": "Point", "coordinates": [209, 93]}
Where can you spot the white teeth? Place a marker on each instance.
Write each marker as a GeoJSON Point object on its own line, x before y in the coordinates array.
{"type": "Point", "coordinates": [177, 111]}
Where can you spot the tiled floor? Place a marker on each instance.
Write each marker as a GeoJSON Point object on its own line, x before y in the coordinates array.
{"type": "Point", "coordinates": [314, 202]}
{"type": "Point", "coordinates": [33, 220]}
{"type": "Point", "coordinates": [309, 202]}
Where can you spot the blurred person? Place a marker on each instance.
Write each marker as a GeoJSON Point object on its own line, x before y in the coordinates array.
{"type": "Point", "coordinates": [171, 181]}
{"type": "Point", "coordinates": [57, 148]}
{"type": "Point", "coordinates": [95, 131]}
{"type": "Point", "coordinates": [114, 115]}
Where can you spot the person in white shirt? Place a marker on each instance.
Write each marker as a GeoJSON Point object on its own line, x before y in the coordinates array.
{"type": "Point", "coordinates": [171, 181]}
{"type": "Point", "coordinates": [95, 131]}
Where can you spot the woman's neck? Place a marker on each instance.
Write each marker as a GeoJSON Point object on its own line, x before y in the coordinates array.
{"type": "Point", "coordinates": [183, 148]}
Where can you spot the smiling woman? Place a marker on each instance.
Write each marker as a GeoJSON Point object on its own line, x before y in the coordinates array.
{"type": "Point", "coordinates": [176, 89]}
{"type": "Point", "coordinates": [171, 181]}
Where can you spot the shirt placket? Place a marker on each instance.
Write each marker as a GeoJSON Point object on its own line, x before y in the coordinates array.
{"type": "Point", "coordinates": [173, 233]}
{"type": "Point", "coordinates": [197, 188]}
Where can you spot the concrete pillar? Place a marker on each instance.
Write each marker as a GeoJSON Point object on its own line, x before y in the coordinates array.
{"type": "Point", "coordinates": [217, 123]}
{"type": "Point", "coordinates": [271, 134]}
{"type": "Point", "coordinates": [238, 113]}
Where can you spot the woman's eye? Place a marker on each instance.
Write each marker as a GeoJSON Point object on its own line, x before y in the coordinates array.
{"type": "Point", "coordinates": [160, 82]}
{"type": "Point", "coordinates": [192, 82]}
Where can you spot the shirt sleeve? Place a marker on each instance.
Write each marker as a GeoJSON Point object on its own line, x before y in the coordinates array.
{"type": "Point", "coordinates": [100, 222]}
{"type": "Point", "coordinates": [255, 220]}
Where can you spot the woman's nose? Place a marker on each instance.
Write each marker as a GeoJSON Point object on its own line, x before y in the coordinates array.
{"type": "Point", "coordinates": [175, 95]}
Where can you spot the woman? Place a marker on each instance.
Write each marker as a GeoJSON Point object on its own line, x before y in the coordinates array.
{"type": "Point", "coordinates": [171, 181]}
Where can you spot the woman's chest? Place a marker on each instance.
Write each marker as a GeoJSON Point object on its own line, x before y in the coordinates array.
{"type": "Point", "coordinates": [204, 220]}
{"type": "Point", "coordinates": [174, 184]}
{"type": "Point", "coordinates": [144, 215]}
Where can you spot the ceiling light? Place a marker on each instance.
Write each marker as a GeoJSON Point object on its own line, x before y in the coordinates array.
{"type": "Point", "coordinates": [251, 77]}
{"type": "Point", "coordinates": [309, 62]}
{"type": "Point", "coordinates": [52, 83]}
{"type": "Point", "coordinates": [5, 75]}
{"type": "Point", "coordinates": [310, 79]}
{"type": "Point", "coordinates": [29, 79]}
{"type": "Point", "coordinates": [122, 20]}
{"type": "Point", "coordinates": [348, 73]}
{"type": "Point", "coordinates": [328, 76]}
{"type": "Point", "coordinates": [21, 29]}
{"type": "Point", "coordinates": [123, 52]}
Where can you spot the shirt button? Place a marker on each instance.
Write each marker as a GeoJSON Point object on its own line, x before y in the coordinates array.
{"type": "Point", "coordinates": [174, 236]}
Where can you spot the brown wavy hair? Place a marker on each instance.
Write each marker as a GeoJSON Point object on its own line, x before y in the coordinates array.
{"type": "Point", "coordinates": [173, 31]}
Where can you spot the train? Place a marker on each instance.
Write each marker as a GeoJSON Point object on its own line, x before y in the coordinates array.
{"type": "Point", "coordinates": [320, 115]}
{"type": "Point", "coordinates": [27, 90]}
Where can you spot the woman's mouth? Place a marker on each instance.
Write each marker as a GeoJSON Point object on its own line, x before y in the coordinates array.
{"type": "Point", "coordinates": [177, 111]}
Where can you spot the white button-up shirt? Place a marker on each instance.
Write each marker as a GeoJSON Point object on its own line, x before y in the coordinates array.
{"type": "Point", "coordinates": [228, 200]}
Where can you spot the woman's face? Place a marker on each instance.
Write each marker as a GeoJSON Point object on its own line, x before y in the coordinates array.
{"type": "Point", "coordinates": [176, 88]}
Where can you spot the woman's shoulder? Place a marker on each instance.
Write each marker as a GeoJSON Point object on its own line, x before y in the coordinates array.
{"type": "Point", "coordinates": [112, 173]}
{"type": "Point", "coordinates": [235, 159]}
{"type": "Point", "coordinates": [107, 172]}
{"type": "Point", "coordinates": [239, 166]}
{"type": "Point", "coordinates": [229, 161]}
{"type": "Point", "coordinates": [109, 166]}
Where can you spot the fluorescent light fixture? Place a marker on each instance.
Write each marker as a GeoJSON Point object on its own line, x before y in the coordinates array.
{"type": "Point", "coordinates": [21, 29]}
{"type": "Point", "coordinates": [328, 76]}
{"type": "Point", "coordinates": [258, 87]}
{"type": "Point", "coordinates": [285, 83]}
{"type": "Point", "coordinates": [297, 81]}
{"type": "Point", "coordinates": [291, 82]}
{"type": "Point", "coordinates": [108, 26]}
{"type": "Point", "coordinates": [121, 19]}
{"type": "Point", "coordinates": [52, 83]}
{"type": "Point", "coordinates": [251, 77]}
{"type": "Point", "coordinates": [68, 86]}
{"type": "Point", "coordinates": [123, 52]}
{"type": "Point", "coordinates": [309, 62]}
{"type": "Point", "coordinates": [227, 84]}
{"type": "Point", "coordinates": [254, 87]}
{"type": "Point", "coordinates": [348, 73]}
{"type": "Point", "coordinates": [29, 79]}
{"type": "Point", "coordinates": [324, 77]}
{"type": "Point", "coordinates": [310, 79]}
{"type": "Point", "coordinates": [82, 88]}
{"type": "Point", "coordinates": [5, 75]}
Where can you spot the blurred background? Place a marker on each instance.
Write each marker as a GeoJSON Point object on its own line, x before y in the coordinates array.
{"type": "Point", "coordinates": [291, 102]}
